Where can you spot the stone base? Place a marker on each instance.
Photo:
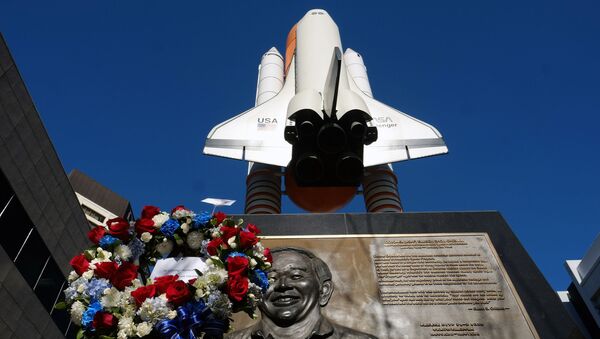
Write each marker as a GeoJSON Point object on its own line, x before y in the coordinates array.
{"type": "Point", "coordinates": [539, 300]}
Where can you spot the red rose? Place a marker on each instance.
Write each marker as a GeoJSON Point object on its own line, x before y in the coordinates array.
{"type": "Point", "coordinates": [162, 283]}
{"type": "Point", "coordinates": [106, 269]}
{"type": "Point", "coordinates": [247, 239]}
{"type": "Point", "coordinates": [178, 293]}
{"type": "Point", "coordinates": [252, 228]}
{"type": "Point", "coordinates": [178, 208]}
{"type": "Point", "coordinates": [96, 234]}
{"type": "Point", "coordinates": [220, 217]}
{"type": "Point", "coordinates": [229, 231]}
{"type": "Point", "coordinates": [124, 275]}
{"type": "Point", "coordinates": [118, 227]}
{"type": "Point", "coordinates": [237, 266]}
{"type": "Point", "coordinates": [267, 254]}
{"type": "Point", "coordinates": [149, 211]}
{"type": "Point", "coordinates": [145, 225]}
{"type": "Point", "coordinates": [104, 320]}
{"type": "Point", "coordinates": [80, 264]}
{"type": "Point", "coordinates": [237, 287]}
{"type": "Point", "coordinates": [143, 293]}
{"type": "Point", "coordinates": [213, 246]}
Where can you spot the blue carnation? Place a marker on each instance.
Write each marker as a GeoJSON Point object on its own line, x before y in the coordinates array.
{"type": "Point", "coordinates": [96, 287]}
{"type": "Point", "coordinates": [169, 227]}
{"type": "Point", "coordinates": [107, 241]}
{"type": "Point", "coordinates": [201, 220]}
{"type": "Point", "coordinates": [88, 315]}
{"type": "Point", "coordinates": [260, 278]}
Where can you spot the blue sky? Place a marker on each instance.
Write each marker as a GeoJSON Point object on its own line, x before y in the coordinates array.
{"type": "Point", "coordinates": [128, 91]}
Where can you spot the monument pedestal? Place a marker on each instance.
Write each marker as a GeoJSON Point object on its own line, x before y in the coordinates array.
{"type": "Point", "coordinates": [425, 275]}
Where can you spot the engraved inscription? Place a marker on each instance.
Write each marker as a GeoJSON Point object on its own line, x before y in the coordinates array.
{"type": "Point", "coordinates": [452, 286]}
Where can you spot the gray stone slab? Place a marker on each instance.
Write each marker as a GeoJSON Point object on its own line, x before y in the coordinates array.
{"type": "Point", "coordinates": [5, 331]}
{"type": "Point", "coordinates": [51, 331]}
{"type": "Point", "coordinates": [5, 58]}
{"type": "Point", "coordinates": [26, 329]}
{"type": "Point", "coordinates": [10, 312]}
{"type": "Point", "coordinates": [9, 101]}
{"type": "Point", "coordinates": [6, 127]}
{"type": "Point", "coordinates": [6, 265]}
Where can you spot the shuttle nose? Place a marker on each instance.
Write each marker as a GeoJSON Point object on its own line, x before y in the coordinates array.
{"type": "Point", "coordinates": [317, 11]}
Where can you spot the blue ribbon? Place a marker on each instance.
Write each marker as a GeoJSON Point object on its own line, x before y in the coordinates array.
{"type": "Point", "coordinates": [192, 318]}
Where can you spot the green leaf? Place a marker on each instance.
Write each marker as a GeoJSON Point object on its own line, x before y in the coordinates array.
{"type": "Point", "coordinates": [107, 337]}
{"type": "Point", "coordinates": [80, 334]}
{"type": "Point", "coordinates": [60, 305]}
{"type": "Point", "coordinates": [198, 272]}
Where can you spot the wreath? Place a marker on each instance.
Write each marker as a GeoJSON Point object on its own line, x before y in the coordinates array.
{"type": "Point", "coordinates": [112, 292]}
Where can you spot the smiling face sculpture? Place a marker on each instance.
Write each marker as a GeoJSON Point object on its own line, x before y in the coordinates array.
{"type": "Point", "coordinates": [301, 284]}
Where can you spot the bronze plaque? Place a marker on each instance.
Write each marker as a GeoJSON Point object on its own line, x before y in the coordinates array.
{"type": "Point", "coordinates": [416, 286]}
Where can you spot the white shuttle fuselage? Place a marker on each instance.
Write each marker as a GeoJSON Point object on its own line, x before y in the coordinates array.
{"type": "Point", "coordinates": [323, 123]}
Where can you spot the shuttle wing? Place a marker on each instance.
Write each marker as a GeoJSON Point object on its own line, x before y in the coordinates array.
{"type": "Point", "coordinates": [400, 136]}
{"type": "Point", "coordinates": [257, 134]}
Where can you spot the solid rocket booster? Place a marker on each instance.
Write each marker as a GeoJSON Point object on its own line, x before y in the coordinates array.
{"type": "Point", "coordinates": [380, 185]}
{"type": "Point", "coordinates": [270, 76]}
{"type": "Point", "coordinates": [263, 183]}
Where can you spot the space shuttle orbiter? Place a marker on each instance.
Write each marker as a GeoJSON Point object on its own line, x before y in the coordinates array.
{"type": "Point", "coordinates": [323, 124]}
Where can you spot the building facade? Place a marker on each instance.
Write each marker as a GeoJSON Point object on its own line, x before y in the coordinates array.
{"type": "Point", "coordinates": [98, 203]}
{"type": "Point", "coordinates": [41, 220]}
{"type": "Point", "coordinates": [582, 298]}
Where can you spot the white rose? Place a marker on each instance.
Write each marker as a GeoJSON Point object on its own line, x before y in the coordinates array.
{"type": "Point", "coordinates": [253, 263]}
{"type": "Point", "coordinates": [164, 248]}
{"type": "Point", "coordinates": [194, 240]}
{"type": "Point", "coordinates": [160, 219]}
{"type": "Point", "coordinates": [231, 242]}
{"type": "Point", "coordinates": [185, 228]}
{"type": "Point", "coordinates": [102, 254]}
{"type": "Point", "coordinates": [88, 274]}
{"type": "Point", "coordinates": [146, 236]}
{"type": "Point", "coordinates": [73, 276]}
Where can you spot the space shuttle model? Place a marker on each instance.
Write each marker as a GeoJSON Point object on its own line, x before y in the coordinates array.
{"type": "Point", "coordinates": [316, 123]}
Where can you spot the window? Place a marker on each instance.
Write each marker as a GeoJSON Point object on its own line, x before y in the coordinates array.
{"type": "Point", "coordinates": [92, 214]}
{"type": "Point", "coordinates": [15, 227]}
{"type": "Point", "coordinates": [32, 258]}
{"type": "Point", "coordinates": [49, 285]}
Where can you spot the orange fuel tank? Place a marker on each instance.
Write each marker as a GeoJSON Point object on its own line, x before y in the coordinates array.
{"type": "Point", "coordinates": [290, 48]}
{"type": "Point", "coordinates": [312, 199]}
{"type": "Point", "coordinates": [317, 199]}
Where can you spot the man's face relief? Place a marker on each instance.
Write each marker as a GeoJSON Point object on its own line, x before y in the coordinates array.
{"type": "Point", "coordinates": [295, 290]}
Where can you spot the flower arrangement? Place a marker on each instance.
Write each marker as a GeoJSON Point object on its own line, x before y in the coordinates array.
{"type": "Point", "coordinates": [111, 294]}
